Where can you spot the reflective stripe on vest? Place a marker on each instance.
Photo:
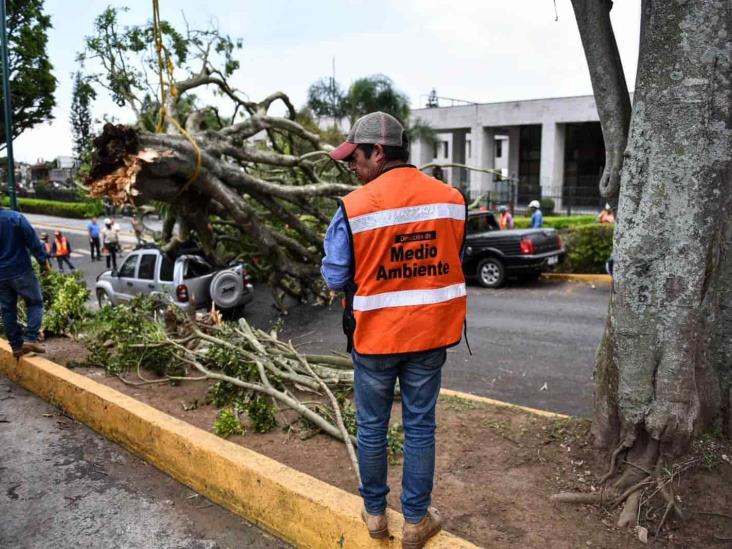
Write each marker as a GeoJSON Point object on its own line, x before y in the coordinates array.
{"type": "Point", "coordinates": [410, 214]}
{"type": "Point", "coordinates": [407, 233]}
{"type": "Point", "coordinates": [407, 298]}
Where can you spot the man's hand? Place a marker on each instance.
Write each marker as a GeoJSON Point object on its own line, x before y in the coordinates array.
{"type": "Point", "coordinates": [45, 267]}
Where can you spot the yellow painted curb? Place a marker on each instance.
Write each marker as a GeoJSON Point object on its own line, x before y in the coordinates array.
{"type": "Point", "coordinates": [595, 278]}
{"type": "Point", "coordinates": [292, 505]}
{"type": "Point", "coordinates": [500, 404]}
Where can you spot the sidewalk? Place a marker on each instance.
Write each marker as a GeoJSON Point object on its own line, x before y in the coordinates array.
{"type": "Point", "coordinates": [63, 486]}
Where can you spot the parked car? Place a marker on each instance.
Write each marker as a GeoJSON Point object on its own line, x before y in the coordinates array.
{"type": "Point", "coordinates": [187, 281]}
{"type": "Point", "coordinates": [491, 254]}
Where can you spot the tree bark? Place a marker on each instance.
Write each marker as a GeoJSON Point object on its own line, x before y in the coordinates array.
{"type": "Point", "coordinates": [664, 367]}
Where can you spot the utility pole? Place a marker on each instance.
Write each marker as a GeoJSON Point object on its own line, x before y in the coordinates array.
{"type": "Point", "coordinates": [8, 110]}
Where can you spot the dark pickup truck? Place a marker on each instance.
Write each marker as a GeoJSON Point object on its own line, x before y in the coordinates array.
{"type": "Point", "coordinates": [491, 254]}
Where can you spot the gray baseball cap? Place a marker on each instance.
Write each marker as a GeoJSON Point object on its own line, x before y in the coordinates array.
{"type": "Point", "coordinates": [374, 128]}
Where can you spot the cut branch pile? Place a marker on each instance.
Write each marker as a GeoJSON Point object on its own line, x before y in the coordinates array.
{"type": "Point", "coordinates": [248, 364]}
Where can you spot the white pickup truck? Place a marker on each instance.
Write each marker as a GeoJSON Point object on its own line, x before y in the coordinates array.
{"type": "Point", "coordinates": [188, 281]}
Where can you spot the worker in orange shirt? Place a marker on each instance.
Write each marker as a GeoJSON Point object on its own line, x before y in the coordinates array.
{"type": "Point", "coordinates": [505, 219]}
{"type": "Point", "coordinates": [62, 251]}
{"type": "Point", "coordinates": [47, 246]}
{"type": "Point", "coordinates": [606, 215]}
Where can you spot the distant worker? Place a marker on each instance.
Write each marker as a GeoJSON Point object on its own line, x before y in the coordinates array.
{"type": "Point", "coordinates": [606, 215]}
{"type": "Point", "coordinates": [505, 219]}
{"type": "Point", "coordinates": [62, 251]}
{"type": "Point", "coordinates": [47, 246]}
{"type": "Point", "coordinates": [94, 230]}
{"type": "Point", "coordinates": [394, 247]}
{"type": "Point", "coordinates": [138, 228]}
{"type": "Point", "coordinates": [110, 243]}
{"type": "Point", "coordinates": [537, 218]}
{"type": "Point", "coordinates": [17, 280]}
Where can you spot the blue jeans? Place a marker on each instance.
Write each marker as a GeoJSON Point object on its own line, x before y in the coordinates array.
{"type": "Point", "coordinates": [64, 259]}
{"type": "Point", "coordinates": [419, 375]}
{"type": "Point", "coordinates": [27, 287]}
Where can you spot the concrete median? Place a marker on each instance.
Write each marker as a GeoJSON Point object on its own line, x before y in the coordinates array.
{"type": "Point", "coordinates": [575, 277]}
{"type": "Point", "coordinates": [292, 505]}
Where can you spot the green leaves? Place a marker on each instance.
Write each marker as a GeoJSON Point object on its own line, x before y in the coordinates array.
{"type": "Point", "coordinates": [124, 60]}
{"type": "Point", "coordinates": [262, 414]}
{"type": "Point", "coordinates": [227, 424]}
{"type": "Point", "coordinates": [64, 301]}
{"type": "Point", "coordinates": [74, 210]}
{"type": "Point", "coordinates": [588, 248]}
{"type": "Point", "coordinates": [32, 84]}
{"type": "Point", "coordinates": [365, 95]}
{"type": "Point", "coordinates": [127, 336]}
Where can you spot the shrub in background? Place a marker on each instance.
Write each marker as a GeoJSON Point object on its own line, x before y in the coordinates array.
{"type": "Point", "coordinates": [588, 247]}
{"type": "Point", "coordinates": [74, 210]}
{"type": "Point", "coordinates": [556, 222]}
{"type": "Point", "coordinates": [547, 206]}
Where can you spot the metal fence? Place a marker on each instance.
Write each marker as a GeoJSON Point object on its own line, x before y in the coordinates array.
{"type": "Point", "coordinates": [563, 200]}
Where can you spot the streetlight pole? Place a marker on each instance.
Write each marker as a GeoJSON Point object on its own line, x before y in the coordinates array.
{"type": "Point", "coordinates": [8, 110]}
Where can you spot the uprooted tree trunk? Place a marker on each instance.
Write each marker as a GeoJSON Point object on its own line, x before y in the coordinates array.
{"type": "Point", "coordinates": [663, 371]}
{"type": "Point", "coordinates": [272, 197]}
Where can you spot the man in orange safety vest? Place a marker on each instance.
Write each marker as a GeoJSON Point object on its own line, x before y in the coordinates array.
{"type": "Point", "coordinates": [394, 246]}
{"type": "Point", "coordinates": [62, 251]}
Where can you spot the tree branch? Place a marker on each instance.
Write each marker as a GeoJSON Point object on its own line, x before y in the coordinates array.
{"type": "Point", "coordinates": [608, 84]}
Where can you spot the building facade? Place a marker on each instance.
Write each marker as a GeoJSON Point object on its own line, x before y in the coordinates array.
{"type": "Point", "coordinates": [541, 148]}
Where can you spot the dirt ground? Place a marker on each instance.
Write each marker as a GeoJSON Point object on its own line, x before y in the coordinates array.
{"type": "Point", "coordinates": [496, 470]}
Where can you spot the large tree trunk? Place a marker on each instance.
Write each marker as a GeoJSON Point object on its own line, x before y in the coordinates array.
{"type": "Point", "coordinates": [663, 371]}
{"type": "Point", "coordinates": [664, 368]}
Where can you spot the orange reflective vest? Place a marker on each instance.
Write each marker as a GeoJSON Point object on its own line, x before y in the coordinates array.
{"type": "Point", "coordinates": [48, 247]}
{"type": "Point", "coordinates": [407, 232]}
{"type": "Point", "coordinates": [62, 247]}
{"type": "Point", "coordinates": [504, 221]}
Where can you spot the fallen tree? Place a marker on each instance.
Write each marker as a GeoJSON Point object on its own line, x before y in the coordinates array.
{"type": "Point", "coordinates": [247, 183]}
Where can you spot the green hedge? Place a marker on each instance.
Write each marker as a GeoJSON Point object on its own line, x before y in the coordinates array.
{"type": "Point", "coordinates": [76, 210]}
{"type": "Point", "coordinates": [556, 222]}
{"type": "Point", "coordinates": [588, 247]}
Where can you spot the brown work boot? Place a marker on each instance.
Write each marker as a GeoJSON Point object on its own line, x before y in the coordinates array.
{"type": "Point", "coordinates": [33, 347]}
{"type": "Point", "coordinates": [414, 536]}
{"type": "Point", "coordinates": [378, 529]}
{"type": "Point", "coordinates": [17, 353]}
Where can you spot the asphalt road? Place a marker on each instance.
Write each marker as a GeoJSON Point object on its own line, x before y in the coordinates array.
{"type": "Point", "coordinates": [75, 231]}
{"type": "Point", "coordinates": [64, 486]}
{"type": "Point", "coordinates": [533, 343]}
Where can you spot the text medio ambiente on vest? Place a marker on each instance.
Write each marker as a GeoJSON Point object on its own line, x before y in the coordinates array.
{"type": "Point", "coordinates": [399, 254]}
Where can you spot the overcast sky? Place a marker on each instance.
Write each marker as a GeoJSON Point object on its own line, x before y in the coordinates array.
{"type": "Point", "coordinates": [477, 50]}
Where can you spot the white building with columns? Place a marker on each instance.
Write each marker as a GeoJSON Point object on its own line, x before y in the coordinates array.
{"type": "Point", "coordinates": [547, 147]}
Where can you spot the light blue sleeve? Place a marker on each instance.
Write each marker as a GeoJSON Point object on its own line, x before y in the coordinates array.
{"type": "Point", "coordinates": [338, 259]}
{"type": "Point", "coordinates": [537, 219]}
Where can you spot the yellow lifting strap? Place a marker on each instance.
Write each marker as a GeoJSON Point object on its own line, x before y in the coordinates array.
{"type": "Point", "coordinates": [165, 68]}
